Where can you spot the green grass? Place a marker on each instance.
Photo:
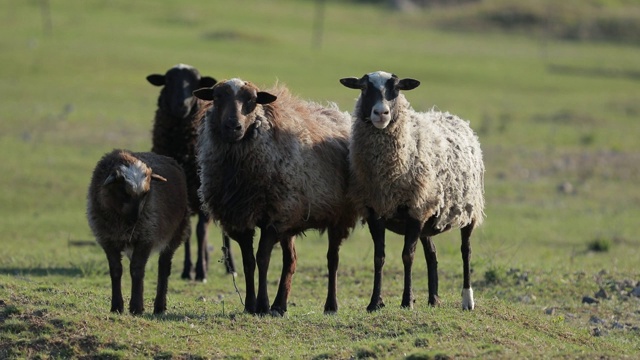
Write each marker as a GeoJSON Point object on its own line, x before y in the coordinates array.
{"type": "Point", "coordinates": [549, 113]}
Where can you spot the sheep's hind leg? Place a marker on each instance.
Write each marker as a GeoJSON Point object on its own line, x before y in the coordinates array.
{"type": "Point", "coordinates": [412, 233]}
{"type": "Point", "coordinates": [268, 238]}
{"type": "Point", "coordinates": [203, 252]}
{"type": "Point", "coordinates": [229, 264]}
{"type": "Point", "coordinates": [333, 259]}
{"type": "Point", "coordinates": [289, 260]}
{"type": "Point", "coordinates": [377, 230]}
{"type": "Point", "coordinates": [432, 268]}
{"type": "Point", "coordinates": [188, 265]}
{"type": "Point", "coordinates": [465, 249]}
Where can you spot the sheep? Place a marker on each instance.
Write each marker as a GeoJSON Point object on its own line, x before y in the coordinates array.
{"type": "Point", "coordinates": [137, 204]}
{"type": "Point", "coordinates": [417, 174]}
{"type": "Point", "coordinates": [175, 131]}
{"type": "Point", "coordinates": [280, 166]}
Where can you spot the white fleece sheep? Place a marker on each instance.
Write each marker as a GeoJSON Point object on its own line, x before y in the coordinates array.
{"type": "Point", "coordinates": [418, 174]}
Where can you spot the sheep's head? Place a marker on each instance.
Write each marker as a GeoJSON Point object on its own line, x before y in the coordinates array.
{"type": "Point", "coordinates": [379, 91]}
{"type": "Point", "coordinates": [125, 189]}
{"type": "Point", "coordinates": [234, 107]}
{"type": "Point", "coordinates": [178, 83]}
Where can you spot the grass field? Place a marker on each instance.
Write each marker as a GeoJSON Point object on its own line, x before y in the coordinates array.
{"type": "Point", "coordinates": [559, 125]}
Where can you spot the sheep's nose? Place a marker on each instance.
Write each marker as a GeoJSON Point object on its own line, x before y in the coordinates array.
{"type": "Point", "coordinates": [384, 112]}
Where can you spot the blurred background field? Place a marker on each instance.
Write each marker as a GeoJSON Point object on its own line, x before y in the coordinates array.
{"type": "Point", "coordinates": [552, 89]}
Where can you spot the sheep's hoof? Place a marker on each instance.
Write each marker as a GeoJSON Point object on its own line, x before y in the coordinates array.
{"type": "Point", "coordinates": [277, 312]}
{"type": "Point", "coordinates": [186, 275]}
{"type": "Point", "coordinates": [467, 299]}
{"type": "Point", "coordinates": [434, 300]}
{"type": "Point", "coordinates": [375, 306]}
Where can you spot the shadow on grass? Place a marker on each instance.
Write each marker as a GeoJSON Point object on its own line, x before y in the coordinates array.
{"type": "Point", "coordinates": [61, 271]}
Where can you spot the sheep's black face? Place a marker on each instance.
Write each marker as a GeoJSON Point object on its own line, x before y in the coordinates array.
{"type": "Point", "coordinates": [179, 82]}
{"type": "Point", "coordinates": [234, 105]}
{"type": "Point", "coordinates": [379, 91]}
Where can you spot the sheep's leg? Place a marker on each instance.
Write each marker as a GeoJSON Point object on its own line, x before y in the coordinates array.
{"type": "Point", "coordinates": [203, 253]}
{"type": "Point", "coordinates": [412, 233]}
{"type": "Point", "coordinates": [229, 264]}
{"type": "Point", "coordinates": [377, 229]}
{"type": "Point", "coordinates": [164, 270]}
{"type": "Point", "coordinates": [245, 240]}
{"type": "Point", "coordinates": [333, 259]}
{"type": "Point", "coordinates": [268, 238]}
{"type": "Point", "coordinates": [289, 259]}
{"type": "Point", "coordinates": [188, 265]}
{"type": "Point", "coordinates": [136, 268]}
{"type": "Point", "coordinates": [432, 268]}
{"type": "Point", "coordinates": [465, 249]}
{"type": "Point", "coordinates": [114, 257]}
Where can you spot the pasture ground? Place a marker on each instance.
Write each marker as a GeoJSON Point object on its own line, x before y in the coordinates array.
{"type": "Point", "coordinates": [558, 120]}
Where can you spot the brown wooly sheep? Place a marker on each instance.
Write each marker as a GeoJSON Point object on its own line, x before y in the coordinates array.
{"type": "Point", "coordinates": [175, 133]}
{"type": "Point", "coordinates": [137, 204]}
{"type": "Point", "coordinates": [417, 174]}
{"type": "Point", "coordinates": [273, 161]}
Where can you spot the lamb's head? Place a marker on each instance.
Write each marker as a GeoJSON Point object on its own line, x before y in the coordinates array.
{"type": "Point", "coordinates": [125, 189]}
{"type": "Point", "coordinates": [379, 91]}
{"type": "Point", "coordinates": [176, 96]}
{"type": "Point", "coordinates": [234, 107]}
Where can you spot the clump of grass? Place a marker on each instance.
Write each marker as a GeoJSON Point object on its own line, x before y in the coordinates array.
{"type": "Point", "coordinates": [600, 244]}
{"type": "Point", "coordinates": [494, 276]}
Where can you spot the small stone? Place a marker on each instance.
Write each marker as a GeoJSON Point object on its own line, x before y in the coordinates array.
{"type": "Point", "coordinates": [602, 294]}
{"type": "Point", "coordinates": [597, 332]}
{"type": "Point", "coordinates": [589, 300]}
{"type": "Point", "coordinates": [635, 292]}
{"type": "Point", "coordinates": [617, 325]}
{"type": "Point", "coordinates": [596, 320]}
{"type": "Point", "coordinates": [550, 311]}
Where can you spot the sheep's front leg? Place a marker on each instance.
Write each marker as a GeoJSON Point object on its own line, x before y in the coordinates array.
{"type": "Point", "coordinates": [432, 268]}
{"type": "Point", "coordinates": [467, 292]}
{"type": "Point", "coordinates": [136, 268]}
{"type": "Point", "coordinates": [289, 259]}
{"type": "Point", "coordinates": [377, 230]}
{"type": "Point", "coordinates": [412, 233]}
{"type": "Point", "coordinates": [245, 240]}
{"type": "Point", "coordinates": [114, 257]}
{"type": "Point", "coordinates": [268, 238]}
{"type": "Point", "coordinates": [333, 259]}
{"type": "Point", "coordinates": [203, 253]}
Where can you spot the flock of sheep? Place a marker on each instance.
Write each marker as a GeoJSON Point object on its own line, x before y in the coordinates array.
{"type": "Point", "coordinates": [250, 158]}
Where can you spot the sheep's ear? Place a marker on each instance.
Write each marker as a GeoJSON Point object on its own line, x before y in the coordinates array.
{"type": "Point", "coordinates": [352, 83]}
{"type": "Point", "coordinates": [204, 94]}
{"type": "Point", "coordinates": [207, 81]}
{"type": "Point", "coordinates": [265, 98]}
{"type": "Point", "coordinates": [158, 177]}
{"type": "Point", "coordinates": [407, 84]}
{"type": "Point", "coordinates": [156, 79]}
{"type": "Point", "coordinates": [110, 179]}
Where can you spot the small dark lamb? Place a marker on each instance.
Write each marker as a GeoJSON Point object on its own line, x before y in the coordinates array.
{"type": "Point", "coordinates": [137, 204]}
{"type": "Point", "coordinates": [175, 132]}
{"type": "Point", "coordinates": [414, 173]}
{"type": "Point", "coordinates": [276, 162]}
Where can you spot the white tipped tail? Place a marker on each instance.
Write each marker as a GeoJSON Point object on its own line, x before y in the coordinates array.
{"type": "Point", "coordinates": [467, 299]}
